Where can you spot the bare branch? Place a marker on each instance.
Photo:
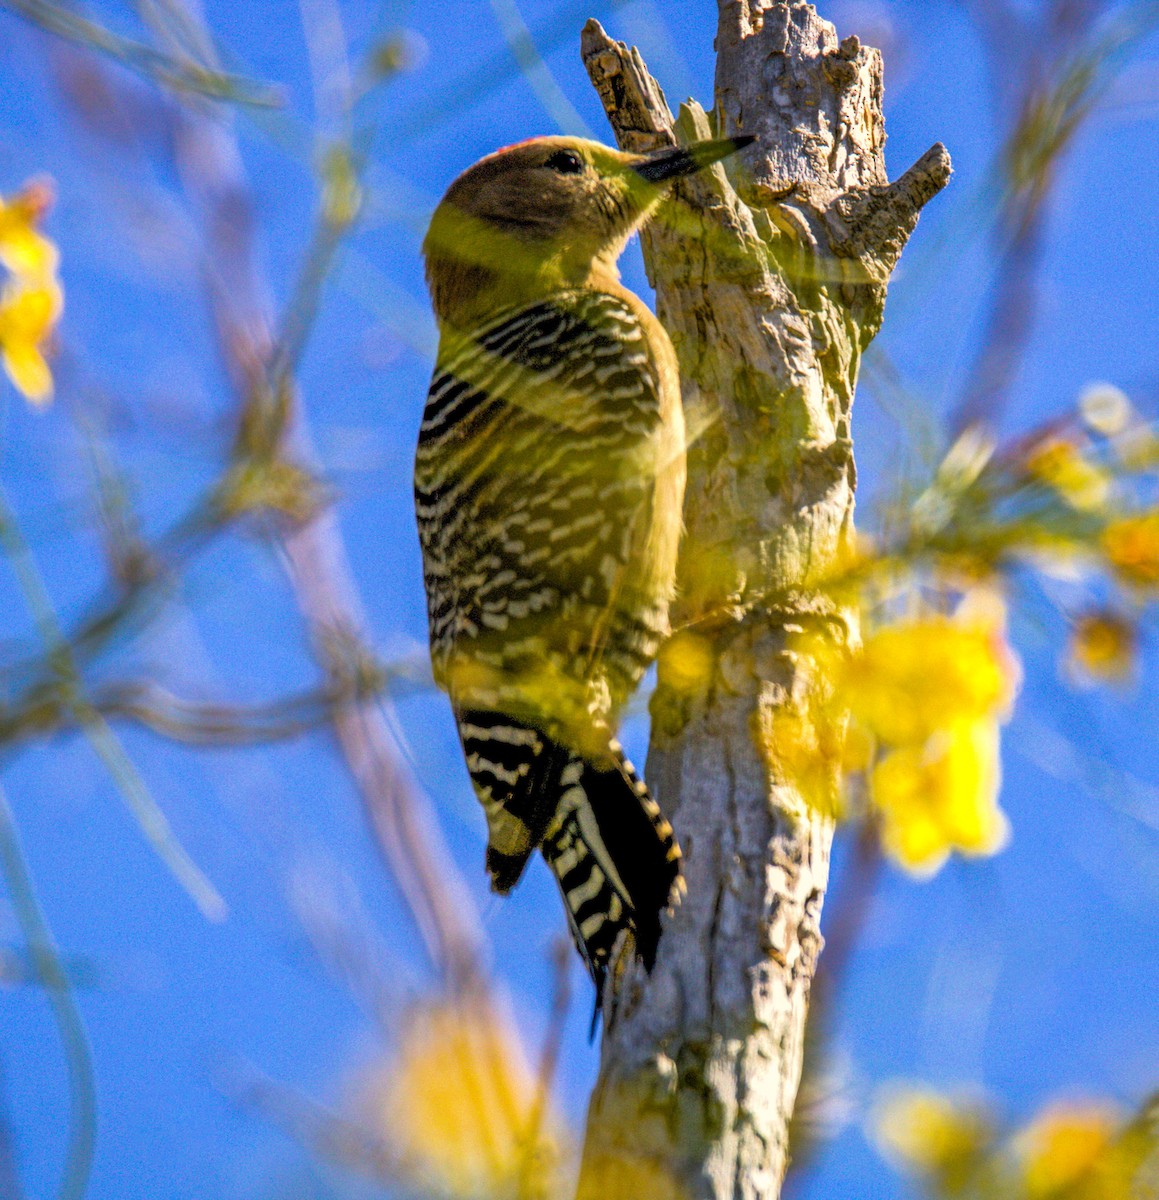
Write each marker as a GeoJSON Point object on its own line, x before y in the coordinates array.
{"type": "Point", "coordinates": [1048, 76]}
{"type": "Point", "coordinates": [181, 76]}
{"type": "Point", "coordinates": [319, 569]}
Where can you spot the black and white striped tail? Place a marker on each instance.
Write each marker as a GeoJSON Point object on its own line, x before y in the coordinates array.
{"type": "Point", "coordinates": [604, 837]}
{"type": "Point", "coordinates": [616, 859]}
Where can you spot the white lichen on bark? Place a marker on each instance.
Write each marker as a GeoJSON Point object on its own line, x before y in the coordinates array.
{"type": "Point", "coordinates": [770, 276]}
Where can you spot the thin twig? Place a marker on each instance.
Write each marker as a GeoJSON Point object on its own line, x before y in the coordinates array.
{"type": "Point", "coordinates": [153, 822]}
{"type": "Point", "coordinates": [536, 71]}
{"type": "Point", "coordinates": [144, 60]}
{"type": "Point", "coordinates": [400, 815]}
{"type": "Point", "coordinates": [149, 816]}
{"type": "Point", "coordinates": [330, 73]}
{"type": "Point", "coordinates": [476, 85]}
{"type": "Point", "coordinates": [348, 944]}
{"type": "Point", "coordinates": [1051, 92]}
{"type": "Point", "coordinates": [324, 1133]}
{"type": "Point", "coordinates": [42, 949]}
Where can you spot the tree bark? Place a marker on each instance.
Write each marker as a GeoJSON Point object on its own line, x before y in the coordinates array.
{"type": "Point", "coordinates": [770, 275]}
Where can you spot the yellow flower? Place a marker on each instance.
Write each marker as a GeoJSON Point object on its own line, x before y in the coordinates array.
{"type": "Point", "coordinates": [460, 1100]}
{"type": "Point", "coordinates": [23, 249]}
{"type": "Point", "coordinates": [1131, 545]}
{"type": "Point", "coordinates": [912, 679]}
{"type": "Point", "coordinates": [1063, 1145]}
{"type": "Point", "coordinates": [929, 694]}
{"type": "Point", "coordinates": [1103, 645]}
{"type": "Point", "coordinates": [27, 317]}
{"type": "Point", "coordinates": [924, 1131]}
{"type": "Point", "coordinates": [31, 299]}
{"type": "Point", "coordinates": [941, 796]}
{"type": "Point", "coordinates": [1060, 464]}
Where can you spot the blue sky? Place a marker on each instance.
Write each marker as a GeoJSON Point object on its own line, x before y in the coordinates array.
{"type": "Point", "coordinates": [1031, 975]}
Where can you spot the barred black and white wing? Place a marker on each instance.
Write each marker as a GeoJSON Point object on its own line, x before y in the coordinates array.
{"type": "Point", "coordinates": [545, 484]}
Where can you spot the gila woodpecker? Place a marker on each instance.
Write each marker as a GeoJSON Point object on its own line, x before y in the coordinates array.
{"type": "Point", "coordinates": [549, 485]}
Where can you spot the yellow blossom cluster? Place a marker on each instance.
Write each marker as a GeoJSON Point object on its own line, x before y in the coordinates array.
{"type": "Point", "coordinates": [1061, 464]}
{"type": "Point", "coordinates": [1074, 500]}
{"type": "Point", "coordinates": [1103, 646]}
{"type": "Point", "coordinates": [918, 707]}
{"type": "Point", "coordinates": [1131, 546]}
{"type": "Point", "coordinates": [921, 1130]}
{"type": "Point", "coordinates": [1065, 1144]}
{"type": "Point", "coordinates": [932, 691]}
{"type": "Point", "coordinates": [31, 299]}
{"type": "Point", "coordinates": [460, 1104]}
{"type": "Point", "coordinates": [1104, 641]}
{"type": "Point", "coordinates": [1076, 1150]}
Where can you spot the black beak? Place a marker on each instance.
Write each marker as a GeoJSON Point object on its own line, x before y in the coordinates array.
{"type": "Point", "coordinates": [687, 160]}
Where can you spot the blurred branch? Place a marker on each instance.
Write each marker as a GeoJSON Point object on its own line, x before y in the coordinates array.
{"type": "Point", "coordinates": [159, 710]}
{"type": "Point", "coordinates": [341, 200]}
{"type": "Point", "coordinates": [153, 822]}
{"type": "Point", "coordinates": [848, 909]}
{"type": "Point", "coordinates": [399, 813]}
{"type": "Point", "coordinates": [1060, 758]}
{"type": "Point", "coordinates": [170, 72]}
{"type": "Point", "coordinates": [48, 707]}
{"type": "Point", "coordinates": [329, 61]}
{"type": "Point", "coordinates": [536, 71]}
{"type": "Point", "coordinates": [125, 548]}
{"type": "Point", "coordinates": [1050, 76]}
{"type": "Point", "coordinates": [476, 85]}
{"type": "Point", "coordinates": [141, 576]}
{"type": "Point", "coordinates": [170, 19]}
{"type": "Point", "coordinates": [19, 969]}
{"type": "Point", "coordinates": [347, 943]}
{"type": "Point", "coordinates": [51, 972]}
{"type": "Point", "coordinates": [1009, 324]}
{"type": "Point", "coordinates": [323, 1133]}
{"type": "Point", "coordinates": [1065, 18]}
{"type": "Point", "coordinates": [318, 566]}
{"type": "Point", "coordinates": [1006, 33]}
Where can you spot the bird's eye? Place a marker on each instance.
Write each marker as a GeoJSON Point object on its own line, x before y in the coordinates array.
{"type": "Point", "coordinates": [566, 162]}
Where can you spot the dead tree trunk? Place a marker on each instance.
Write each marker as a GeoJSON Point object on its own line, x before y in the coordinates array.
{"type": "Point", "coordinates": [771, 282]}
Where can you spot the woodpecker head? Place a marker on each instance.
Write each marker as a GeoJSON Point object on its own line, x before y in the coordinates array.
{"type": "Point", "coordinates": [546, 214]}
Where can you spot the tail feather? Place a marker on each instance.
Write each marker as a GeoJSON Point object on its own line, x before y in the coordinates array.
{"type": "Point", "coordinates": [615, 857]}
{"type": "Point", "coordinates": [607, 842]}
